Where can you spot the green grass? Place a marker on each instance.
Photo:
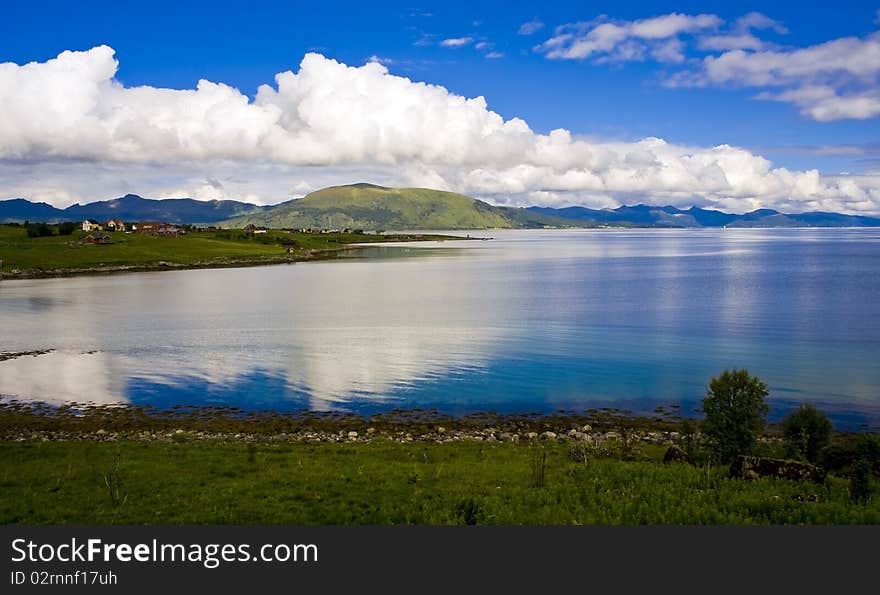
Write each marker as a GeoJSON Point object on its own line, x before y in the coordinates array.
{"type": "Point", "coordinates": [59, 253]}
{"type": "Point", "coordinates": [389, 483]}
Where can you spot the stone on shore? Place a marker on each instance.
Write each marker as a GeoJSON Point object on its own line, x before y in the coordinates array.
{"type": "Point", "coordinates": [748, 467]}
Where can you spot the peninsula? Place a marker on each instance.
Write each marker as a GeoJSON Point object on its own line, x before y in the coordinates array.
{"type": "Point", "coordinates": [43, 250]}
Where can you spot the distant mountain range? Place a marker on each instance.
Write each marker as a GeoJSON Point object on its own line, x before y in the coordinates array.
{"type": "Point", "coordinates": [696, 217]}
{"type": "Point", "coordinates": [128, 208]}
{"type": "Point", "coordinates": [368, 206]}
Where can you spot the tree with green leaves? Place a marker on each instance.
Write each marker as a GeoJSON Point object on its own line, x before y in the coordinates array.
{"type": "Point", "coordinates": [806, 431]}
{"type": "Point", "coordinates": [735, 414]}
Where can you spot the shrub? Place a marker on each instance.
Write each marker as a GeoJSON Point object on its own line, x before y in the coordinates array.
{"type": "Point", "coordinates": [38, 230]}
{"type": "Point", "coordinates": [806, 431]}
{"type": "Point", "coordinates": [66, 228]}
{"type": "Point", "coordinates": [735, 411]}
{"type": "Point", "coordinates": [842, 454]}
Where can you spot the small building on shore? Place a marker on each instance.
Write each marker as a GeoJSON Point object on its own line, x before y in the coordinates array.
{"type": "Point", "coordinates": [98, 238]}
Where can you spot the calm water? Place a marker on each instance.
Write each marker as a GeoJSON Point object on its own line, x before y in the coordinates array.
{"type": "Point", "coordinates": [529, 321]}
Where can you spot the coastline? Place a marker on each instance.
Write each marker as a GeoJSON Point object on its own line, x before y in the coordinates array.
{"type": "Point", "coordinates": [40, 422]}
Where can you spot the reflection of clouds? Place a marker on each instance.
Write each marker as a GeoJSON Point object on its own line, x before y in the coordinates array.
{"type": "Point", "coordinates": [335, 331]}
{"type": "Point", "coordinates": [60, 377]}
{"type": "Point", "coordinates": [335, 364]}
{"type": "Point", "coordinates": [181, 368]}
{"type": "Point", "coordinates": [361, 329]}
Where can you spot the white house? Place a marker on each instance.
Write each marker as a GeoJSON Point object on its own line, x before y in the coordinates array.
{"type": "Point", "coordinates": [89, 225]}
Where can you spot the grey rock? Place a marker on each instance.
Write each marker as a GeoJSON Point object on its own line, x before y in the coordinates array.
{"type": "Point", "coordinates": [747, 467]}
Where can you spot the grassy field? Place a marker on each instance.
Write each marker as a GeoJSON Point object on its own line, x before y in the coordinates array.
{"type": "Point", "coordinates": [383, 482]}
{"type": "Point", "coordinates": [69, 253]}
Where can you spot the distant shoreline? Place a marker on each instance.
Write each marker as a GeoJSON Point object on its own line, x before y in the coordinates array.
{"type": "Point", "coordinates": [172, 266]}
{"type": "Point", "coordinates": [222, 262]}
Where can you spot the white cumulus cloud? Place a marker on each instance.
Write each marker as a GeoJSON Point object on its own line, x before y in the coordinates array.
{"type": "Point", "coordinates": [70, 131]}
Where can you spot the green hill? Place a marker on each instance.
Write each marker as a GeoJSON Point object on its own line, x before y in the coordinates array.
{"type": "Point", "coordinates": [366, 206]}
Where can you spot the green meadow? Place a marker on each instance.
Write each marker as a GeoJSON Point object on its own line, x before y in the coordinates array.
{"type": "Point", "coordinates": [385, 482]}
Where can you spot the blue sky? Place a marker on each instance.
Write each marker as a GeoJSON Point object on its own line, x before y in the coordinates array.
{"type": "Point", "coordinates": [605, 96]}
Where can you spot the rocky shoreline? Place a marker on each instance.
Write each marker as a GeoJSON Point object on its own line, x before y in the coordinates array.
{"type": "Point", "coordinates": [38, 422]}
{"type": "Point", "coordinates": [440, 434]}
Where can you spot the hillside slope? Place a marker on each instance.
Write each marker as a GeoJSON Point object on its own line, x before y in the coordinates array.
{"type": "Point", "coordinates": [366, 206]}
